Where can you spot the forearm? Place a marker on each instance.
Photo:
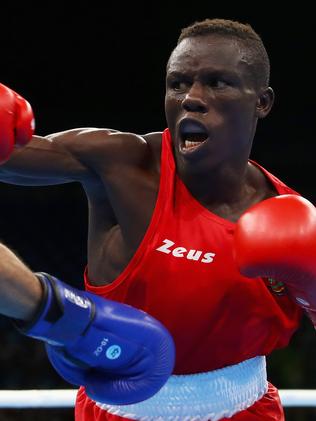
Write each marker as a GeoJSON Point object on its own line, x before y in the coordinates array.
{"type": "Point", "coordinates": [20, 290]}
{"type": "Point", "coordinates": [30, 160]}
{"type": "Point", "coordinates": [40, 162]}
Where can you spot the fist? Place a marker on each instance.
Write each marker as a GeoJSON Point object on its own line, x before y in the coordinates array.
{"type": "Point", "coordinates": [120, 354]}
{"type": "Point", "coordinates": [16, 122]}
{"type": "Point", "coordinates": [277, 238]}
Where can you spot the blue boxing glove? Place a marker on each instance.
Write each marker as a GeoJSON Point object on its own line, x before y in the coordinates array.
{"type": "Point", "coordinates": [120, 354]}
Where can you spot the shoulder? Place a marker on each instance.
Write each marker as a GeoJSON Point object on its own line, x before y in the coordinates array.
{"type": "Point", "coordinates": [269, 181]}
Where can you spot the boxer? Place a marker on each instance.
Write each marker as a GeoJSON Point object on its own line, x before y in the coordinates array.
{"type": "Point", "coordinates": [164, 208]}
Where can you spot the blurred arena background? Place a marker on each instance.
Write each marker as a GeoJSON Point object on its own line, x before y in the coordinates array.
{"type": "Point", "coordinates": [103, 65]}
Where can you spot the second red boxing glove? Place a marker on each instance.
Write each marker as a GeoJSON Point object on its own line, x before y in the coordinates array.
{"type": "Point", "coordinates": [277, 238]}
{"type": "Point", "coordinates": [16, 122]}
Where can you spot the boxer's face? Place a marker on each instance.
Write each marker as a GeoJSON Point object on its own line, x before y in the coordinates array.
{"type": "Point", "coordinates": [211, 103]}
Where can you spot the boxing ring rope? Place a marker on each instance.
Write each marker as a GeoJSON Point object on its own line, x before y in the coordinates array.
{"type": "Point", "coordinates": [65, 398]}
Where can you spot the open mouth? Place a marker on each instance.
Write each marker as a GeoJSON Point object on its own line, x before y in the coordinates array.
{"type": "Point", "coordinates": [193, 134]}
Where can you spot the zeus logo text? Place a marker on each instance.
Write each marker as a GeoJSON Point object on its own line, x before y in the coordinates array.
{"type": "Point", "coordinates": [197, 255]}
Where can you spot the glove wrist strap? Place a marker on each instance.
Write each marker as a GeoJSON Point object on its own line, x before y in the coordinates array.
{"type": "Point", "coordinates": [63, 315]}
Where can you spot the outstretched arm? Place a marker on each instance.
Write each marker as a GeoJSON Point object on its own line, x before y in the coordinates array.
{"type": "Point", "coordinates": [58, 158]}
{"type": "Point", "coordinates": [54, 159]}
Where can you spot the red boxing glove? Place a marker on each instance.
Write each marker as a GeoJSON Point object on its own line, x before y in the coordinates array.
{"type": "Point", "coordinates": [16, 122]}
{"type": "Point", "coordinates": [277, 238]}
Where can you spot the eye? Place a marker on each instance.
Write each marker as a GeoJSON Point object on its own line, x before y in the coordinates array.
{"type": "Point", "coordinates": [178, 85]}
{"type": "Point", "coordinates": [218, 83]}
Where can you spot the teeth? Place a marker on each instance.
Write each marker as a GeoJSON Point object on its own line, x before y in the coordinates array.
{"type": "Point", "coordinates": [190, 145]}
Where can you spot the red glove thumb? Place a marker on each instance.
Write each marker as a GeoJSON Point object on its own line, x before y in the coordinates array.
{"type": "Point", "coordinates": [16, 122]}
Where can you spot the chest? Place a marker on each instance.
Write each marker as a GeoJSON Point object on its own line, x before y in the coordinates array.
{"type": "Point", "coordinates": [135, 193]}
{"type": "Point", "coordinates": [185, 261]}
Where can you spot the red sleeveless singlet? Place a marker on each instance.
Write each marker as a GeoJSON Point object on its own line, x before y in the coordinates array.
{"type": "Point", "coordinates": [183, 274]}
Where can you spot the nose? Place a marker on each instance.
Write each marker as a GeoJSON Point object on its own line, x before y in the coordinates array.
{"type": "Point", "coordinates": [194, 100]}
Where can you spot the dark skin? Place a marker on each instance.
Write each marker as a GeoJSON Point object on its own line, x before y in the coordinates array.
{"type": "Point", "coordinates": [209, 81]}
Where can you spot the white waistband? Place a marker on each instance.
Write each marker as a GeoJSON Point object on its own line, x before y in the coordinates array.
{"type": "Point", "coordinates": [203, 396]}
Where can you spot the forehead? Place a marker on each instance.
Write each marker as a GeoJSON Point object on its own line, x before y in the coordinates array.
{"type": "Point", "coordinates": [208, 51]}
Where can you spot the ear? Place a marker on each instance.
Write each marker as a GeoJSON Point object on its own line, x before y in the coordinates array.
{"type": "Point", "coordinates": [264, 102]}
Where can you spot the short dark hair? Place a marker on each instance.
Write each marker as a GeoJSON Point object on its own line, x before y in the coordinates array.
{"type": "Point", "coordinates": [252, 42]}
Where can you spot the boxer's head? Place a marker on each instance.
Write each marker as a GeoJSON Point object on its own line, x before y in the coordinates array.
{"type": "Point", "coordinates": [216, 89]}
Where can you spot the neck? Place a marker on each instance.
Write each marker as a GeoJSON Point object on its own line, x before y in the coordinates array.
{"type": "Point", "coordinates": [227, 184]}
